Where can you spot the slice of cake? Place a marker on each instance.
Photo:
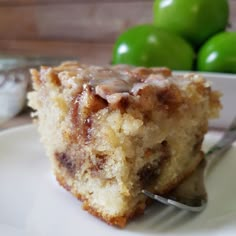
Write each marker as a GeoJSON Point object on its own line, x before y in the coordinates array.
{"type": "Point", "coordinates": [112, 131]}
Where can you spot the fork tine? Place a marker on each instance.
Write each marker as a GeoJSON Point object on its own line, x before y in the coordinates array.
{"type": "Point", "coordinates": [179, 205]}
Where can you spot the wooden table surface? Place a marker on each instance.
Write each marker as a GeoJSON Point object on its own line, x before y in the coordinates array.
{"type": "Point", "coordinates": [22, 119]}
{"type": "Point", "coordinates": [73, 28]}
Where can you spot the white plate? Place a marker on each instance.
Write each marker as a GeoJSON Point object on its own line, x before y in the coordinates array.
{"type": "Point", "coordinates": [226, 83]}
{"type": "Point", "coordinates": [32, 203]}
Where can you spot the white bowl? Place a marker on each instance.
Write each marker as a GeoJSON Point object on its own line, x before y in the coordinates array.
{"type": "Point", "coordinates": [13, 88]}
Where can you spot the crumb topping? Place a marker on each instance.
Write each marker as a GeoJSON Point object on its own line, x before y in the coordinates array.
{"type": "Point", "coordinates": [113, 83]}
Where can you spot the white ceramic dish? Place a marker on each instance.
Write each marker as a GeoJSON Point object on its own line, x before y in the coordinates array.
{"type": "Point", "coordinates": [13, 88]}
{"type": "Point", "coordinates": [33, 204]}
{"type": "Point", "coordinates": [226, 83]}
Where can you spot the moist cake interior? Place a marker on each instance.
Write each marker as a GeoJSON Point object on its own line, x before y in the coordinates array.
{"type": "Point", "coordinates": [112, 131]}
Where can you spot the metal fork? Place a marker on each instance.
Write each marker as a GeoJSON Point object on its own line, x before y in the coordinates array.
{"type": "Point", "coordinates": [196, 203]}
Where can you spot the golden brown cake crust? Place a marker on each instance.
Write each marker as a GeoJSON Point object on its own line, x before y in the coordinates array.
{"type": "Point", "coordinates": [120, 221]}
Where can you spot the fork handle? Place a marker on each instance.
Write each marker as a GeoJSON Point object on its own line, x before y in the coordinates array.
{"type": "Point", "coordinates": [224, 144]}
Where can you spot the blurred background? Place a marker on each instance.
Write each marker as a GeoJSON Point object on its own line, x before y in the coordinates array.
{"type": "Point", "coordinates": [80, 28]}
{"type": "Point", "coordinates": [59, 30]}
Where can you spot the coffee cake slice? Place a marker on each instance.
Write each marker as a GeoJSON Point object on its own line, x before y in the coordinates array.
{"type": "Point", "coordinates": [112, 131]}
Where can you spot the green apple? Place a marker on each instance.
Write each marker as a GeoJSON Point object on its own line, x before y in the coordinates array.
{"type": "Point", "coordinates": [218, 54]}
{"type": "Point", "coordinates": [195, 20]}
{"type": "Point", "coordinates": [146, 45]}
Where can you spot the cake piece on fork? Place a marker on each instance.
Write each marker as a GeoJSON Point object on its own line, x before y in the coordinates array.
{"type": "Point", "coordinates": [112, 131]}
